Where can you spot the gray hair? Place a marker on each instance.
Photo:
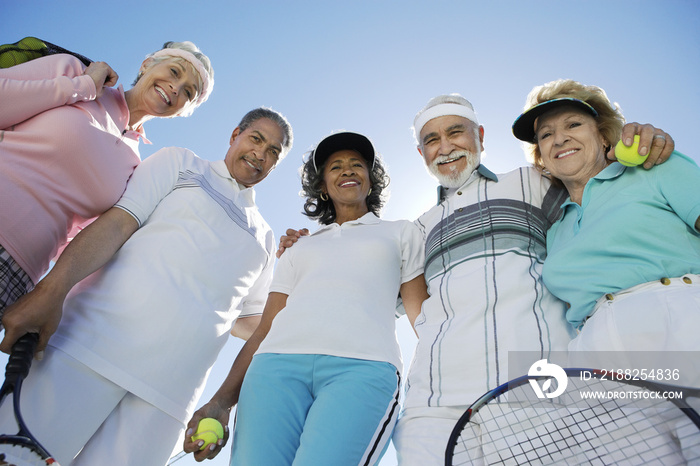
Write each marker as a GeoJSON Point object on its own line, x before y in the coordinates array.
{"type": "Point", "coordinates": [190, 47]}
{"type": "Point", "coordinates": [439, 100]}
{"type": "Point", "coordinates": [265, 112]}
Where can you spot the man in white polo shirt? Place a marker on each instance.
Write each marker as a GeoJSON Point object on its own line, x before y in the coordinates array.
{"type": "Point", "coordinates": [179, 257]}
{"type": "Point", "coordinates": [485, 245]}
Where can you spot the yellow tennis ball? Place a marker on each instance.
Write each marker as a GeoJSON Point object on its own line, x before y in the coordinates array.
{"type": "Point", "coordinates": [629, 156]}
{"type": "Point", "coordinates": [210, 430]}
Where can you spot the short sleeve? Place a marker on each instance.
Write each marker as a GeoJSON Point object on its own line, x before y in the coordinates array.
{"type": "Point", "coordinates": [153, 179]}
{"type": "Point", "coordinates": [679, 182]}
{"type": "Point", "coordinates": [254, 302]}
{"type": "Point", "coordinates": [412, 252]}
{"type": "Point", "coordinates": [283, 280]}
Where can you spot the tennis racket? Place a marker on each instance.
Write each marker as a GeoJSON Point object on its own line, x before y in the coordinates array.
{"type": "Point", "coordinates": [21, 448]}
{"type": "Point", "coordinates": [645, 423]}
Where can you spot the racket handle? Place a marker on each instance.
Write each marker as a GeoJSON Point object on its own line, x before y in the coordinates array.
{"type": "Point", "coordinates": [21, 356]}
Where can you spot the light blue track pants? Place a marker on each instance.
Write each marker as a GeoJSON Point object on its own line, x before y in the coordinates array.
{"type": "Point", "coordinates": [310, 410]}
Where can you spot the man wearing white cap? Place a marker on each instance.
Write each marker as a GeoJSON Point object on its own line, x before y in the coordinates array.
{"type": "Point", "coordinates": [485, 245]}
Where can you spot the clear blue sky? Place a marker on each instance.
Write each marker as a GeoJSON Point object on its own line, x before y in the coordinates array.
{"type": "Point", "coordinates": [369, 65]}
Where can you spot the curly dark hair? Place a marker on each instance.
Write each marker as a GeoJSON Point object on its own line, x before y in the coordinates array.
{"type": "Point", "coordinates": [324, 211]}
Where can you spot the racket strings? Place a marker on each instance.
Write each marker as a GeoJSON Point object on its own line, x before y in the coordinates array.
{"type": "Point", "coordinates": [22, 455]}
{"type": "Point", "coordinates": [581, 431]}
{"type": "Point", "coordinates": [20, 449]}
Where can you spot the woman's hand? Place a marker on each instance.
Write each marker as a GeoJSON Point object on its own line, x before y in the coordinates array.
{"type": "Point", "coordinates": [102, 74]}
{"type": "Point", "coordinates": [212, 410]}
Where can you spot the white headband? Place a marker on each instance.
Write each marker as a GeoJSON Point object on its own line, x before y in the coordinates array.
{"type": "Point", "coordinates": [207, 81]}
{"type": "Point", "coordinates": [443, 110]}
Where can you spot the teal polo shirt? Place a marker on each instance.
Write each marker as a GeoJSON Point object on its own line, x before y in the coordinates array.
{"type": "Point", "coordinates": [633, 226]}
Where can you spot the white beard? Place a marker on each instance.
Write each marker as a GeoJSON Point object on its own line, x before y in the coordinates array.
{"type": "Point", "coordinates": [456, 178]}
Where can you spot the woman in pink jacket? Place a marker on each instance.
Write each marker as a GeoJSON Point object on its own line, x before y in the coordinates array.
{"type": "Point", "coordinates": [69, 143]}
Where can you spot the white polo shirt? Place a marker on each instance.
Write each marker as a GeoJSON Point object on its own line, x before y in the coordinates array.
{"type": "Point", "coordinates": [154, 319]}
{"type": "Point", "coordinates": [343, 282]}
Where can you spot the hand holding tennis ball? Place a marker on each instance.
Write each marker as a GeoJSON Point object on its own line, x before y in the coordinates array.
{"type": "Point", "coordinates": [210, 430]}
{"type": "Point", "coordinates": [629, 156]}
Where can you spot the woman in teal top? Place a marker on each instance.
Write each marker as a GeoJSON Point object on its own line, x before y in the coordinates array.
{"type": "Point", "coordinates": [625, 255]}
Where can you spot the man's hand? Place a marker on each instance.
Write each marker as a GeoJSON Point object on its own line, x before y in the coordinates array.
{"type": "Point", "coordinates": [213, 410]}
{"type": "Point", "coordinates": [39, 311]}
{"type": "Point", "coordinates": [291, 237]}
{"type": "Point", "coordinates": [653, 141]}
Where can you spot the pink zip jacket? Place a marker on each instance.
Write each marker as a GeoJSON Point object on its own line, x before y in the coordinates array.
{"type": "Point", "coordinates": [64, 156]}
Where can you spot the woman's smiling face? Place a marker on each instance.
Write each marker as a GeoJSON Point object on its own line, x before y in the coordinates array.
{"type": "Point", "coordinates": [346, 177]}
{"type": "Point", "coordinates": [166, 87]}
{"type": "Point", "coordinates": [572, 148]}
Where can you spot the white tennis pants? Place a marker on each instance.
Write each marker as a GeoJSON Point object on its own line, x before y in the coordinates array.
{"type": "Point", "coordinates": [83, 419]}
